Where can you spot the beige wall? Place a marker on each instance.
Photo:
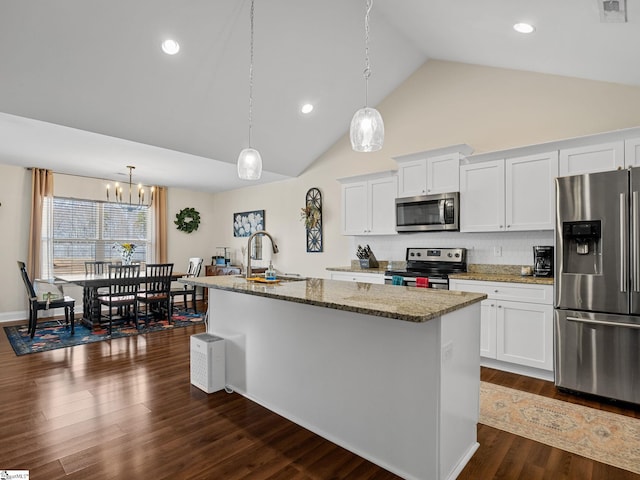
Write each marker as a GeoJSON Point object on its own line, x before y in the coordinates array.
{"type": "Point", "coordinates": [441, 104]}
{"type": "Point", "coordinates": [14, 217]}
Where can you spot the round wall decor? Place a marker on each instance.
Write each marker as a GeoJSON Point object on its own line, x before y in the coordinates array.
{"type": "Point", "coordinates": [187, 220]}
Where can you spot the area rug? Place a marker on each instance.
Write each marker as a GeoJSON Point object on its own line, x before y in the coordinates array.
{"type": "Point", "coordinates": [601, 436]}
{"type": "Point", "coordinates": [52, 335]}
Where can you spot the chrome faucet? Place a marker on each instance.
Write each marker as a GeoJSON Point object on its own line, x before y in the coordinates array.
{"type": "Point", "coordinates": [255, 234]}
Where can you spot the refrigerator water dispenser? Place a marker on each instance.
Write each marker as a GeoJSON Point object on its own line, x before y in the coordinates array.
{"type": "Point", "coordinates": [581, 253]}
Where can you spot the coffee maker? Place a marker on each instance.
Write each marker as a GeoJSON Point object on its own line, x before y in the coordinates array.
{"type": "Point", "coordinates": [543, 261]}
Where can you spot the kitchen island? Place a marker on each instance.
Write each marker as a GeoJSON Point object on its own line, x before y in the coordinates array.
{"type": "Point", "coordinates": [390, 373]}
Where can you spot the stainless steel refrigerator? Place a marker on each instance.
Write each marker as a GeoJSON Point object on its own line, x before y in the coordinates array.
{"type": "Point", "coordinates": [597, 301]}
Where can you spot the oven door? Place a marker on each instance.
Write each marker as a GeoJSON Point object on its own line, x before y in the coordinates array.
{"type": "Point", "coordinates": [437, 282]}
{"type": "Point", "coordinates": [427, 213]}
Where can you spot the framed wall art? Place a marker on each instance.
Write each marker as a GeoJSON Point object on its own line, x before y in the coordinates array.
{"type": "Point", "coordinates": [246, 223]}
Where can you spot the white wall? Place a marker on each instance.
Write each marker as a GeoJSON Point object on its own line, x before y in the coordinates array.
{"type": "Point", "coordinates": [441, 104]}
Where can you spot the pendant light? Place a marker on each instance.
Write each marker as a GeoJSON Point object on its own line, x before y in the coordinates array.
{"type": "Point", "coordinates": [367, 127]}
{"type": "Point", "coordinates": [249, 160]}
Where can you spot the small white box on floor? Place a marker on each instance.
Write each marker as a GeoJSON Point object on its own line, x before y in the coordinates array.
{"type": "Point", "coordinates": [207, 362]}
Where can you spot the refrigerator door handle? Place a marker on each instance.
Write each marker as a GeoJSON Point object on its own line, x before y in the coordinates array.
{"type": "Point", "coordinates": [635, 236]}
{"type": "Point", "coordinates": [623, 240]}
{"type": "Point", "coordinates": [602, 322]}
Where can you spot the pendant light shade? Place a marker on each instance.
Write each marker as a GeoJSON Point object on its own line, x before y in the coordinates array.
{"type": "Point", "coordinates": [367, 127]}
{"type": "Point", "coordinates": [249, 161]}
{"type": "Point", "coordinates": [367, 130]}
{"type": "Point", "coordinates": [249, 164]}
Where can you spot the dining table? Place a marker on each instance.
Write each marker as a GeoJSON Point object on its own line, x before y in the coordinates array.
{"type": "Point", "coordinates": [91, 283]}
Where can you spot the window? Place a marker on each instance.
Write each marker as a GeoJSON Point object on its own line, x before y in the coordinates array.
{"type": "Point", "coordinates": [86, 230]}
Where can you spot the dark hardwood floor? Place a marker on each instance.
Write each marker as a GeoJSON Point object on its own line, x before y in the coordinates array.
{"type": "Point", "coordinates": [125, 409]}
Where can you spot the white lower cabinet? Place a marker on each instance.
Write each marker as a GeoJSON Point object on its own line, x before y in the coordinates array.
{"type": "Point", "coordinates": [516, 323]}
{"type": "Point", "coordinates": [358, 277]}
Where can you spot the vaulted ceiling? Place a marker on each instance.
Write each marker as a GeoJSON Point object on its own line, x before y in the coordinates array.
{"type": "Point", "coordinates": [85, 88]}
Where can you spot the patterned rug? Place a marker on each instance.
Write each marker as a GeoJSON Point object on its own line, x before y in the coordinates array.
{"type": "Point", "coordinates": [601, 436]}
{"type": "Point", "coordinates": [52, 335]}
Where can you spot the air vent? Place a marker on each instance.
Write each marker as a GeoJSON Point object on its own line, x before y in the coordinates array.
{"type": "Point", "coordinates": [613, 11]}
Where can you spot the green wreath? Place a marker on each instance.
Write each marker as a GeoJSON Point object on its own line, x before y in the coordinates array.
{"type": "Point", "coordinates": [187, 220]}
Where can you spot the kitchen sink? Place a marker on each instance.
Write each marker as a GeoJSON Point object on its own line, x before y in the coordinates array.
{"type": "Point", "coordinates": [281, 278]}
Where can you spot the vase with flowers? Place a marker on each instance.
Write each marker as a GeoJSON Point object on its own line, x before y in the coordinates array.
{"type": "Point", "coordinates": [126, 251]}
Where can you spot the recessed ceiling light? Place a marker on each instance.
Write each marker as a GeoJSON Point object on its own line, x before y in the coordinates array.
{"type": "Point", "coordinates": [170, 47]}
{"type": "Point", "coordinates": [524, 28]}
{"type": "Point", "coordinates": [306, 108]}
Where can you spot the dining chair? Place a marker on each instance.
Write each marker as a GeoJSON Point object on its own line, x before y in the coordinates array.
{"type": "Point", "coordinates": [193, 270]}
{"type": "Point", "coordinates": [156, 293]}
{"type": "Point", "coordinates": [124, 282]}
{"type": "Point", "coordinates": [96, 267]}
{"type": "Point", "coordinates": [35, 305]}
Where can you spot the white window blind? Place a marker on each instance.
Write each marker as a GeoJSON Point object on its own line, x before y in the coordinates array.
{"type": "Point", "coordinates": [86, 230]}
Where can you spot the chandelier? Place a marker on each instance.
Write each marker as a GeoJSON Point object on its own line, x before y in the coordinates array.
{"type": "Point", "coordinates": [249, 160]}
{"type": "Point", "coordinates": [367, 127]}
{"type": "Point", "coordinates": [119, 197]}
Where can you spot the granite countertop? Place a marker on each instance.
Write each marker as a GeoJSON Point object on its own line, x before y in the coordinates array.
{"type": "Point", "coordinates": [357, 269]}
{"type": "Point", "coordinates": [397, 302]}
{"type": "Point", "coordinates": [500, 273]}
{"type": "Point", "coordinates": [502, 277]}
{"type": "Point", "coordinates": [480, 272]}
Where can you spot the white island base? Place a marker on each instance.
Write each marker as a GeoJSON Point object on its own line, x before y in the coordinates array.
{"type": "Point", "coordinates": [401, 394]}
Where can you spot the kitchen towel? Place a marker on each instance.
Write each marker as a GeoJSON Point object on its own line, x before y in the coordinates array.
{"type": "Point", "coordinates": [422, 282]}
{"type": "Point", "coordinates": [397, 280]}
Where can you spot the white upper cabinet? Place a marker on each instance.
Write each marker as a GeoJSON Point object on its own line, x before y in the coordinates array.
{"type": "Point", "coordinates": [368, 204]}
{"type": "Point", "coordinates": [482, 197]}
{"type": "Point", "coordinates": [431, 172]}
{"type": "Point", "coordinates": [412, 178]}
{"type": "Point", "coordinates": [632, 152]}
{"type": "Point", "coordinates": [592, 158]}
{"type": "Point", "coordinates": [508, 195]}
{"type": "Point", "coordinates": [354, 208]}
{"type": "Point", "coordinates": [530, 192]}
{"type": "Point", "coordinates": [443, 174]}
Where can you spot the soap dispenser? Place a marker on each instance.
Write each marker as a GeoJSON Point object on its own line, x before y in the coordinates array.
{"type": "Point", "coordinates": [270, 274]}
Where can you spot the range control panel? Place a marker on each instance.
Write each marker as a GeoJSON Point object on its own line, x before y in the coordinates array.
{"type": "Point", "coordinates": [437, 254]}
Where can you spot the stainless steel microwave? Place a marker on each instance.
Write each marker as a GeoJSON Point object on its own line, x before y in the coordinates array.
{"type": "Point", "coordinates": [427, 213]}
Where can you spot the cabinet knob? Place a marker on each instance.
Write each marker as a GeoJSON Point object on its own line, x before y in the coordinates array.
{"type": "Point", "coordinates": [495, 291]}
{"type": "Point", "coordinates": [508, 226]}
{"type": "Point", "coordinates": [499, 306]}
{"type": "Point", "coordinates": [501, 226]}
{"type": "Point", "coordinates": [493, 304]}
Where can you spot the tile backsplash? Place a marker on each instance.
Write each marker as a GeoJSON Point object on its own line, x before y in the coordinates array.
{"type": "Point", "coordinates": [514, 248]}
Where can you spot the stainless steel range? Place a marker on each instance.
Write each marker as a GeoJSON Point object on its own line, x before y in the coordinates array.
{"type": "Point", "coordinates": [435, 264]}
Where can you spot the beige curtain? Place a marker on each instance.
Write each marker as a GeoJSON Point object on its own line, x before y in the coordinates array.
{"type": "Point", "coordinates": [159, 214]}
{"type": "Point", "coordinates": [41, 194]}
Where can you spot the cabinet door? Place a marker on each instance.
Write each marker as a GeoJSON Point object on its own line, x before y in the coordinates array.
{"type": "Point", "coordinates": [488, 328]}
{"type": "Point", "coordinates": [412, 178]}
{"type": "Point", "coordinates": [482, 197]}
{"type": "Point", "coordinates": [525, 334]}
{"type": "Point", "coordinates": [632, 152]}
{"type": "Point", "coordinates": [354, 208]}
{"type": "Point", "coordinates": [443, 174]}
{"type": "Point", "coordinates": [594, 158]}
{"type": "Point", "coordinates": [382, 206]}
{"type": "Point", "coordinates": [530, 192]}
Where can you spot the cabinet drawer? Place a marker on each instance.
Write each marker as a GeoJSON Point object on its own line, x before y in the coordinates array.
{"type": "Point", "coordinates": [516, 292]}
{"type": "Point", "coordinates": [358, 277]}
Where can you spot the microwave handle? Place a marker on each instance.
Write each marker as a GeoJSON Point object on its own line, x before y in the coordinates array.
{"type": "Point", "coordinates": [441, 204]}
